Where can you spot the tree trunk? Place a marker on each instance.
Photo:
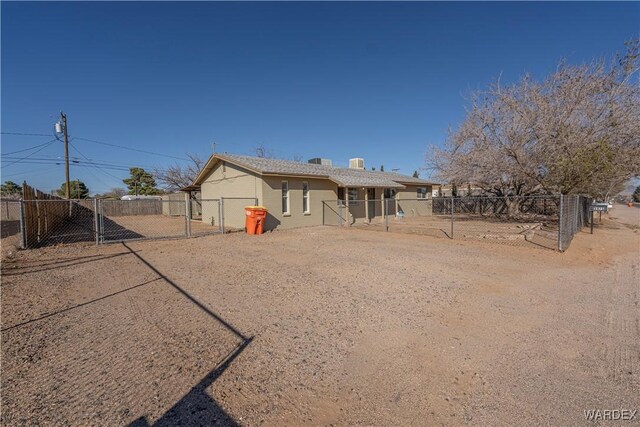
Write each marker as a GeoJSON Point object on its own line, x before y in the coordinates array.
{"type": "Point", "coordinates": [513, 207]}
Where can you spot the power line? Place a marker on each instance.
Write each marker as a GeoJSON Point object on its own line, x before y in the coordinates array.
{"type": "Point", "coordinates": [32, 172]}
{"type": "Point", "coordinates": [102, 143]}
{"type": "Point", "coordinates": [77, 163]}
{"type": "Point", "coordinates": [26, 134]}
{"type": "Point", "coordinates": [76, 160]}
{"type": "Point", "coordinates": [131, 149]}
{"type": "Point", "coordinates": [46, 144]}
{"type": "Point", "coordinates": [26, 149]}
{"type": "Point", "coordinates": [100, 168]}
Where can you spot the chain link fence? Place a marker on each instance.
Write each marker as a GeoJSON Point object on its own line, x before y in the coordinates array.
{"type": "Point", "coordinates": [539, 221]}
{"type": "Point", "coordinates": [10, 223]}
{"type": "Point", "coordinates": [142, 219]}
{"type": "Point", "coordinates": [334, 212]}
{"type": "Point", "coordinates": [206, 217]}
{"type": "Point", "coordinates": [44, 222]}
{"type": "Point", "coordinates": [574, 215]}
{"type": "Point", "coordinates": [353, 212]}
{"type": "Point", "coordinates": [51, 222]}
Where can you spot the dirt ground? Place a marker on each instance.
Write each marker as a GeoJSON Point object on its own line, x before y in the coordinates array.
{"type": "Point", "coordinates": [323, 326]}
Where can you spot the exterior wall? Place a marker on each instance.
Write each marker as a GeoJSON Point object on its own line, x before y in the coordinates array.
{"type": "Point", "coordinates": [408, 202]}
{"type": "Point", "coordinates": [233, 181]}
{"type": "Point", "coordinates": [357, 210]}
{"type": "Point", "coordinates": [411, 192]}
{"type": "Point", "coordinates": [173, 204]}
{"type": "Point", "coordinates": [229, 181]}
{"type": "Point", "coordinates": [319, 190]}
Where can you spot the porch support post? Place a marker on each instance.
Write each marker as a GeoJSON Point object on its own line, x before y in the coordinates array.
{"type": "Point", "coordinates": [346, 204]}
{"type": "Point", "coordinates": [366, 204]}
{"type": "Point", "coordinates": [397, 196]}
{"type": "Point", "coordinates": [382, 204]}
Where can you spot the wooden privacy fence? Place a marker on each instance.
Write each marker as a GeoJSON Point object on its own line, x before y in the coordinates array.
{"type": "Point", "coordinates": [9, 209]}
{"type": "Point", "coordinates": [132, 207]}
{"type": "Point", "coordinates": [44, 214]}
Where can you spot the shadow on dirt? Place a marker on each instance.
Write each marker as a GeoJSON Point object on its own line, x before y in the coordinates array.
{"type": "Point", "coordinates": [9, 228]}
{"type": "Point", "coordinates": [78, 226]}
{"type": "Point", "coordinates": [14, 269]}
{"type": "Point", "coordinates": [197, 408]}
{"type": "Point", "coordinates": [78, 305]}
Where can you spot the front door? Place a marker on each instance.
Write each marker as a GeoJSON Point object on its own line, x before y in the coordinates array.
{"type": "Point", "coordinates": [371, 195]}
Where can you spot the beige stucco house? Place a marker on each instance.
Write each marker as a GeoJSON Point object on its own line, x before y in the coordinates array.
{"type": "Point", "coordinates": [299, 194]}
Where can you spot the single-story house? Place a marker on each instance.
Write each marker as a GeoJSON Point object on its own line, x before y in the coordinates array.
{"type": "Point", "coordinates": [298, 194]}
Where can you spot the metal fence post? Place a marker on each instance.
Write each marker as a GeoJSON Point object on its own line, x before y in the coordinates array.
{"type": "Point", "coordinates": [452, 217]}
{"type": "Point", "coordinates": [23, 227]}
{"type": "Point", "coordinates": [386, 214]}
{"type": "Point", "coordinates": [96, 221]}
{"type": "Point", "coordinates": [560, 213]}
{"type": "Point", "coordinates": [187, 214]}
{"type": "Point", "coordinates": [578, 216]}
{"type": "Point", "coordinates": [101, 233]}
{"type": "Point", "coordinates": [221, 214]}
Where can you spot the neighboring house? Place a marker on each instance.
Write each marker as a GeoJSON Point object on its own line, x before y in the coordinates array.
{"type": "Point", "coordinates": [461, 190]}
{"type": "Point", "coordinates": [294, 192]}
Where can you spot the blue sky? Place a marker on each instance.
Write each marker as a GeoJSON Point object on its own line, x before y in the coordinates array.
{"type": "Point", "coordinates": [337, 80]}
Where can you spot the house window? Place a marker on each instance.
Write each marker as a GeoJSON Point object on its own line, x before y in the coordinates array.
{"type": "Point", "coordinates": [353, 196]}
{"type": "Point", "coordinates": [305, 197]}
{"type": "Point", "coordinates": [389, 193]}
{"type": "Point", "coordinates": [422, 192]}
{"type": "Point", "coordinates": [285, 197]}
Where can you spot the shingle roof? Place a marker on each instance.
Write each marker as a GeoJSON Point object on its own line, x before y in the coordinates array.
{"type": "Point", "coordinates": [342, 176]}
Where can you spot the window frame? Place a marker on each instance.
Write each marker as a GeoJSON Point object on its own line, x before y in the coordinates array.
{"type": "Point", "coordinates": [285, 195]}
{"type": "Point", "coordinates": [354, 200]}
{"type": "Point", "coordinates": [390, 193]}
{"type": "Point", "coordinates": [306, 198]}
{"type": "Point", "coordinates": [421, 192]}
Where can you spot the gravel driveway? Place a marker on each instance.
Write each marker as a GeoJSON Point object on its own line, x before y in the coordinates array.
{"type": "Point", "coordinates": [323, 326]}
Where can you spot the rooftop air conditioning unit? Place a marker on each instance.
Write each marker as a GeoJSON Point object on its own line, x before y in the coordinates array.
{"type": "Point", "coordinates": [320, 161]}
{"type": "Point", "coordinates": [357, 163]}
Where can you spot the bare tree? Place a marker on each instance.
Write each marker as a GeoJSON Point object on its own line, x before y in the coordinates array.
{"type": "Point", "coordinates": [576, 132]}
{"type": "Point", "coordinates": [116, 192]}
{"type": "Point", "coordinates": [265, 152]}
{"type": "Point", "coordinates": [177, 176]}
{"type": "Point", "coordinates": [262, 151]}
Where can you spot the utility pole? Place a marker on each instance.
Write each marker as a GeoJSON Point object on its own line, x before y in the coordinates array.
{"type": "Point", "coordinates": [63, 119]}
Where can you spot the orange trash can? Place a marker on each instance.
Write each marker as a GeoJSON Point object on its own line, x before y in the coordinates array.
{"type": "Point", "coordinates": [255, 217]}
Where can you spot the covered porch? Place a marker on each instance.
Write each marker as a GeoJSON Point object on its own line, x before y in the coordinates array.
{"type": "Point", "coordinates": [367, 204]}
